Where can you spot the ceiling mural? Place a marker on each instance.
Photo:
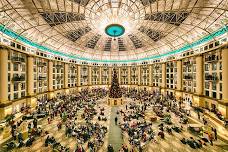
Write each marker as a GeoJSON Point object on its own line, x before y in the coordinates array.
{"type": "Point", "coordinates": [114, 29]}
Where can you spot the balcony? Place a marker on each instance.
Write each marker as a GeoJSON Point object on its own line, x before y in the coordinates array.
{"type": "Point", "coordinates": [73, 67]}
{"type": "Point", "coordinates": [73, 77]}
{"type": "Point", "coordinates": [157, 67]}
{"type": "Point", "coordinates": [58, 66]}
{"type": "Point", "coordinates": [17, 59]}
{"type": "Point", "coordinates": [211, 58]}
{"type": "Point", "coordinates": [18, 78]}
{"type": "Point", "coordinates": [42, 78]}
{"type": "Point", "coordinates": [59, 77]}
{"type": "Point", "coordinates": [187, 63]}
{"type": "Point", "coordinates": [42, 64]}
{"type": "Point", "coordinates": [211, 78]}
{"type": "Point", "coordinates": [169, 65]}
{"type": "Point", "coordinates": [187, 77]}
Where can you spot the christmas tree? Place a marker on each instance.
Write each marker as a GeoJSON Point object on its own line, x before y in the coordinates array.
{"type": "Point", "coordinates": [115, 91]}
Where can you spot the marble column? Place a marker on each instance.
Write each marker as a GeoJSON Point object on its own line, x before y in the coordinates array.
{"type": "Point", "coordinates": [199, 75]}
{"type": "Point", "coordinates": [150, 75]}
{"type": "Point", "coordinates": [179, 75]}
{"type": "Point", "coordinates": [30, 74]}
{"type": "Point", "coordinates": [100, 75]}
{"type": "Point", "coordinates": [79, 75]}
{"type": "Point", "coordinates": [66, 71]}
{"type": "Point", "coordinates": [225, 75]}
{"type": "Point", "coordinates": [139, 75]}
{"type": "Point", "coordinates": [109, 76]}
{"type": "Point", "coordinates": [163, 85]}
{"type": "Point", "coordinates": [129, 75]}
{"type": "Point", "coordinates": [50, 76]}
{"type": "Point", "coordinates": [90, 76]}
{"type": "Point", "coordinates": [3, 75]}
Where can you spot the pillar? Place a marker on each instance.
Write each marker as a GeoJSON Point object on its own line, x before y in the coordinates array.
{"type": "Point", "coordinates": [199, 75]}
{"type": "Point", "coordinates": [179, 80]}
{"type": "Point", "coordinates": [66, 71]}
{"type": "Point", "coordinates": [225, 79]}
{"type": "Point", "coordinates": [50, 79]}
{"type": "Point", "coordinates": [179, 75]}
{"type": "Point", "coordinates": [198, 99]}
{"type": "Point", "coordinates": [3, 75]}
{"type": "Point", "coordinates": [30, 74]}
{"type": "Point", "coordinates": [225, 74]}
{"type": "Point", "coordinates": [150, 75]}
{"type": "Point", "coordinates": [129, 75]}
{"type": "Point", "coordinates": [90, 76]}
{"type": "Point", "coordinates": [79, 75]}
{"type": "Point", "coordinates": [163, 85]}
{"type": "Point", "coordinates": [119, 75]}
{"type": "Point", "coordinates": [109, 75]}
{"type": "Point", "coordinates": [139, 75]}
{"type": "Point", "coordinates": [100, 75]}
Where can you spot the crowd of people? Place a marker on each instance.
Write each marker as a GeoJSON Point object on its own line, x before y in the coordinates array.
{"type": "Point", "coordinates": [75, 114]}
{"type": "Point", "coordinates": [69, 108]}
{"type": "Point", "coordinates": [139, 129]}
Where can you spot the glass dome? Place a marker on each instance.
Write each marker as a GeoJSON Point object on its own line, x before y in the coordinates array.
{"type": "Point", "coordinates": [114, 30]}
{"type": "Point", "coordinates": [144, 29]}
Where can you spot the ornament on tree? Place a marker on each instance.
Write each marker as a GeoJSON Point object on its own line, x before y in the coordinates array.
{"type": "Point", "coordinates": [115, 91]}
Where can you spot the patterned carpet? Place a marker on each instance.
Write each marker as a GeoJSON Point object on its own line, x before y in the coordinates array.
{"type": "Point", "coordinates": [171, 143]}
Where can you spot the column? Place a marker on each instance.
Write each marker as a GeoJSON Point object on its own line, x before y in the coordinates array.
{"type": "Point", "coordinates": [139, 75]}
{"type": "Point", "coordinates": [66, 71]}
{"type": "Point", "coordinates": [163, 85]}
{"type": "Point", "coordinates": [129, 75]}
{"type": "Point", "coordinates": [197, 99]}
{"type": "Point", "coordinates": [119, 75]}
{"type": "Point", "coordinates": [100, 75]}
{"type": "Point", "coordinates": [90, 76]}
{"type": "Point", "coordinates": [179, 75]}
{"type": "Point", "coordinates": [109, 75]}
{"type": "Point", "coordinates": [79, 75]}
{"type": "Point", "coordinates": [50, 75]}
{"type": "Point", "coordinates": [150, 75]}
{"type": "Point", "coordinates": [225, 75]}
{"type": "Point", "coordinates": [30, 75]}
{"type": "Point", "coordinates": [199, 75]}
{"type": "Point", "coordinates": [3, 75]}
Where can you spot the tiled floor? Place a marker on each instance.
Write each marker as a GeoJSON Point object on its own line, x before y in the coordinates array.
{"type": "Point", "coordinates": [171, 143]}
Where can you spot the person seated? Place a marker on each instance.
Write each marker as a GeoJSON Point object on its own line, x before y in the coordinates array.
{"type": "Point", "coordinates": [110, 148]}
{"type": "Point", "coordinates": [29, 142]}
{"type": "Point", "coordinates": [161, 134]}
{"type": "Point", "coordinates": [169, 130]}
{"type": "Point", "coordinates": [183, 140]}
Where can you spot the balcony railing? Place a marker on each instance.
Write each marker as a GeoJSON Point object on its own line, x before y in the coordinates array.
{"type": "Point", "coordinates": [42, 78]}
{"type": "Point", "coordinates": [59, 77]}
{"type": "Point", "coordinates": [211, 58]}
{"type": "Point", "coordinates": [211, 78]}
{"type": "Point", "coordinates": [42, 64]}
{"type": "Point", "coordinates": [73, 77]}
{"type": "Point", "coordinates": [18, 78]}
{"type": "Point", "coordinates": [187, 63]}
{"type": "Point", "coordinates": [58, 66]}
{"type": "Point", "coordinates": [17, 59]}
{"type": "Point", "coordinates": [188, 77]}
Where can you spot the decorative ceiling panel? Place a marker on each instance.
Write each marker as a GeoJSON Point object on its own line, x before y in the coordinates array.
{"type": "Point", "coordinates": [152, 27]}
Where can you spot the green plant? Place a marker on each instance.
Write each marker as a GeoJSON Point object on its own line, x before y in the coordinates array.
{"type": "Point", "coordinates": [9, 118]}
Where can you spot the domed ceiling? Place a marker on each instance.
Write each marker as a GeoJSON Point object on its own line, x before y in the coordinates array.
{"type": "Point", "coordinates": [78, 27]}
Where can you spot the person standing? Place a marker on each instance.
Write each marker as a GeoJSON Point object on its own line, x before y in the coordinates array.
{"type": "Point", "coordinates": [215, 132]}
{"type": "Point", "coordinates": [116, 119]}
